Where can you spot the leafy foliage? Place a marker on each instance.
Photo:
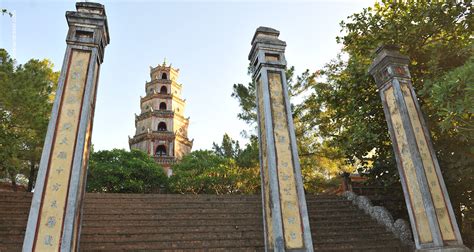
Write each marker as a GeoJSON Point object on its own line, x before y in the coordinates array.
{"type": "Point", "coordinates": [120, 171]}
{"type": "Point", "coordinates": [229, 148]}
{"type": "Point", "coordinates": [453, 96]}
{"type": "Point", "coordinates": [249, 157]}
{"type": "Point", "coordinates": [25, 106]}
{"type": "Point", "coordinates": [205, 171]}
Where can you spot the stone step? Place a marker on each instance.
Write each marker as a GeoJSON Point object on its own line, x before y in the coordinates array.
{"type": "Point", "coordinates": [322, 218]}
{"type": "Point", "coordinates": [159, 245]}
{"type": "Point", "coordinates": [341, 223]}
{"type": "Point", "coordinates": [171, 229]}
{"type": "Point", "coordinates": [17, 247]}
{"type": "Point", "coordinates": [173, 197]}
{"type": "Point", "coordinates": [12, 207]}
{"type": "Point", "coordinates": [318, 235]}
{"type": "Point", "coordinates": [321, 237]}
{"type": "Point", "coordinates": [362, 248]}
{"type": "Point", "coordinates": [183, 236]}
{"type": "Point", "coordinates": [154, 223]}
{"type": "Point", "coordinates": [6, 213]}
{"type": "Point", "coordinates": [165, 211]}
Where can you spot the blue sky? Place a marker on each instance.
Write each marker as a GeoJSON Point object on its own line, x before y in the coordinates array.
{"type": "Point", "coordinates": [209, 41]}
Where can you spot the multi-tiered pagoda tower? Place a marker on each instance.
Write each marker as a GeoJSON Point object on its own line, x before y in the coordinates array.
{"type": "Point", "coordinates": [161, 128]}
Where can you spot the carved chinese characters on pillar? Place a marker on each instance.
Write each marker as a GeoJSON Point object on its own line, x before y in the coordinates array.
{"type": "Point", "coordinates": [85, 158]}
{"type": "Point", "coordinates": [441, 209]}
{"type": "Point", "coordinates": [287, 184]}
{"type": "Point", "coordinates": [263, 144]}
{"type": "Point", "coordinates": [409, 172]}
{"type": "Point", "coordinates": [62, 154]}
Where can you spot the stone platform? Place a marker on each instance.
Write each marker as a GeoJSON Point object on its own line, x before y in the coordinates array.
{"type": "Point", "coordinates": [170, 222]}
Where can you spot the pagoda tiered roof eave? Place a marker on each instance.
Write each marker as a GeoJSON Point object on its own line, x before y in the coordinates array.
{"type": "Point", "coordinates": [161, 114]}
{"type": "Point", "coordinates": [162, 96]}
{"type": "Point", "coordinates": [184, 140]}
{"type": "Point", "coordinates": [163, 81]}
{"type": "Point", "coordinates": [163, 67]}
{"type": "Point", "coordinates": [153, 135]}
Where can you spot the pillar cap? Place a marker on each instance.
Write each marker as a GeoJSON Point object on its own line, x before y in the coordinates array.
{"type": "Point", "coordinates": [267, 36]}
{"type": "Point", "coordinates": [263, 31]}
{"type": "Point", "coordinates": [389, 47]}
{"type": "Point", "coordinates": [90, 7]}
{"type": "Point", "coordinates": [90, 14]}
{"type": "Point", "coordinates": [387, 54]}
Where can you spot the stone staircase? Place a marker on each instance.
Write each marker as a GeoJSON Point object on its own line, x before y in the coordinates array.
{"type": "Point", "coordinates": [168, 222]}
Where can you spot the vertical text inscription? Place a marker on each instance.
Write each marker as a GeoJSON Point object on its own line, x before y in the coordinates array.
{"type": "Point", "coordinates": [291, 217]}
{"type": "Point", "coordinates": [62, 154]}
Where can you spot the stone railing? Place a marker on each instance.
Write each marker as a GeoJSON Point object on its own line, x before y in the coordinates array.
{"type": "Point", "coordinates": [400, 228]}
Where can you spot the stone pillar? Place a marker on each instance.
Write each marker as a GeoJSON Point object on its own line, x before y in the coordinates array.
{"type": "Point", "coordinates": [431, 214]}
{"type": "Point", "coordinates": [286, 222]}
{"type": "Point", "coordinates": [55, 216]}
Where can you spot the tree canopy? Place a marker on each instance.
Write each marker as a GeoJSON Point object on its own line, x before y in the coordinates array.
{"type": "Point", "coordinates": [25, 106]}
{"type": "Point", "coordinates": [121, 171]}
{"type": "Point", "coordinates": [206, 171]}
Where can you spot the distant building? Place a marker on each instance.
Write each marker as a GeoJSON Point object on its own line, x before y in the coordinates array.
{"type": "Point", "coordinates": [161, 128]}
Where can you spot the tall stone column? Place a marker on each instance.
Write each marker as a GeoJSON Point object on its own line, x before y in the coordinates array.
{"type": "Point", "coordinates": [286, 222]}
{"type": "Point", "coordinates": [431, 214]}
{"type": "Point", "coordinates": [55, 216]}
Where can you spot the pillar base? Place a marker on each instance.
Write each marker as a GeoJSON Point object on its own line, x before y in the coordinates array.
{"type": "Point", "coordinates": [445, 249]}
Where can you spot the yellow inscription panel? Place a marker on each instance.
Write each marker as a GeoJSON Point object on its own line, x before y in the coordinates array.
{"type": "Point", "coordinates": [408, 167]}
{"type": "Point", "coordinates": [266, 185]}
{"type": "Point", "coordinates": [60, 164]}
{"type": "Point", "coordinates": [441, 209]}
{"type": "Point", "coordinates": [288, 195]}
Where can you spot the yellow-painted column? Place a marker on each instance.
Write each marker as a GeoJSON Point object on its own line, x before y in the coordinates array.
{"type": "Point", "coordinates": [432, 218]}
{"type": "Point", "coordinates": [54, 220]}
{"type": "Point", "coordinates": [286, 221]}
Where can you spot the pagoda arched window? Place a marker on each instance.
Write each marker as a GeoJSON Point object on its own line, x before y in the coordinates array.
{"type": "Point", "coordinates": [160, 151]}
{"type": "Point", "coordinates": [162, 126]}
{"type": "Point", "coordinates": [163, 90]}
{"type": "Point", "coordinates": [164, 76]}
{"type": "Point", "coordinates": [162, 106]}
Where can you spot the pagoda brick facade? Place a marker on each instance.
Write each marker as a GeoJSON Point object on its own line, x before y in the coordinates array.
{"type": "Point", "coordinates": [161, 128]}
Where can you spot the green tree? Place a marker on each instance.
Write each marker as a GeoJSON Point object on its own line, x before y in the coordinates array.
{"type": "Point", "coordinates": [249, 157]}
{"type": "Point", "coordinates": [453, 96]}
{"type": "Point", "coordinates": [25, 107]}
{"type": "Point", "coordinates": [120, 171]}
{"type": "Point", "coordinates": [205, 171]}
{"type": "Point", "coordinates": [229, 148]}
{"type": "Point", "coordinates": [246, 94]}
{"type": "Point", "coordinates": [346, 107]}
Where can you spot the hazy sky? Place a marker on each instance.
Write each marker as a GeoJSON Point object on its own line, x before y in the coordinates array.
{"type": "Point", "coordinates": [208, 41]}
